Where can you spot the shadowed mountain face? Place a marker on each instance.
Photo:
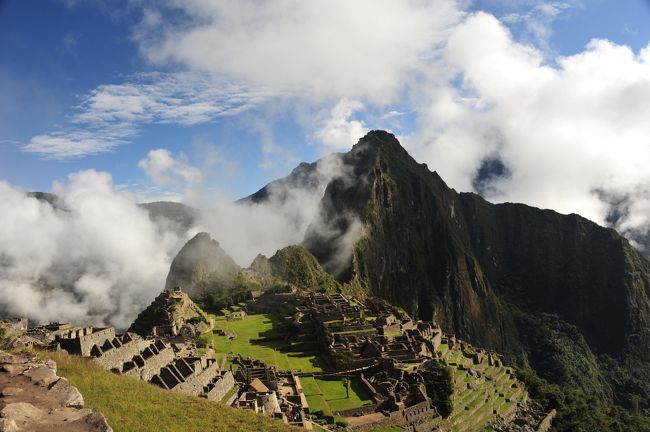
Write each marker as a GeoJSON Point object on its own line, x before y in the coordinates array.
{"type": "Point", "coordinates": [201, 259]}
{"type": "Point", "coordinates": [486, 272]}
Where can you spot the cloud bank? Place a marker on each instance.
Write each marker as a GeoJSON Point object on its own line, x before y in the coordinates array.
{"type": "Point", "coordinates": [96, 258]}
{"type": "Point", "coordinates": [319, 49]}
{"type": "Point", "coordinates": [245, 229]}
{"type": "Point", "coordinates": [571, 135]}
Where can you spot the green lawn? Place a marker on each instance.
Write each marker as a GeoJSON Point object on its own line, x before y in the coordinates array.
{"type": "Point", "coordinates": [131, 405]}
{"type": "Point", "coordinates": [256, 337]}
{"type": "Point", "coordinates": [329, 396]}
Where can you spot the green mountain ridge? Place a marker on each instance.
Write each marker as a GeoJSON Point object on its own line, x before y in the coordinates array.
{"type": "Point", "coordinates": [493, 274]}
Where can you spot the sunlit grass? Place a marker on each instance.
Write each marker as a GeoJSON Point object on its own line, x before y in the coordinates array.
{"type": "Point", "coordinates": [131, 405]}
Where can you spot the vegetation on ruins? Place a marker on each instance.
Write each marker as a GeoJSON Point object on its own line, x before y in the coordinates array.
{"type": "Point", "coordinates": [479, 389]}
{"type": "Point", "coordinates": [440, 387]}
{"type": "Point", "coordinates": [579, 410]}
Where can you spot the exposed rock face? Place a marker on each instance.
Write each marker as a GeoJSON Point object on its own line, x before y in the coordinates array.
{"type": "Point", "coordinates": [302, 177]}
{"type": "Point", "coordinates": [200, 259]}
{"type": "Point", "coordinates": [33, 398]}
{"type": "Point", "coordinates": [472, 265]}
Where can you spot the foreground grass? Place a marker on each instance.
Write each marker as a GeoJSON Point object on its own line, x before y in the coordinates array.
{"type": "Point", "coordinates": [131, 405]}
{"type": "Point", "coordinates": [256, 337]}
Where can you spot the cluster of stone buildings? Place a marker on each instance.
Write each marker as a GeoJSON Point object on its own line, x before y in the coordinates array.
{"type": "Point", "coordinates": [390, 354]}
{"type": "Point", "coordinates": [359, 335]}
{"type": "Point", "coordinates": [382, 346]}
{"type": "Point", "coordinates": [268, 391]}
{"type": "Point", "coordinates": [254, 386]}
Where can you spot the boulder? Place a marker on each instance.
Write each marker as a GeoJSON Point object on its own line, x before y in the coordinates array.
{"type": "Point", "coordinates": [10, 391]}
{"type": "Point", "coordinates": [42, 375]}
{"type": "Point", "coordinates": [67, 394]}
{"type": "Point", "coordinates": [21, 412]}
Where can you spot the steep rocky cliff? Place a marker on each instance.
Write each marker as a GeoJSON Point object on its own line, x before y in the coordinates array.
{"type": "Point", "coordinates": [486, 272]}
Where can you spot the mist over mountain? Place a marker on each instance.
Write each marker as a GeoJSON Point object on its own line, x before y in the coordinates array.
{"type": "Point", "coordinates": [555, 292]}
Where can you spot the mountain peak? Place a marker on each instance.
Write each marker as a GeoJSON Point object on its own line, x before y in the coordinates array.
{"type": "Point", "coordinates": [201, 259]}
{"type": "Point", "coordinates": [379, 140]}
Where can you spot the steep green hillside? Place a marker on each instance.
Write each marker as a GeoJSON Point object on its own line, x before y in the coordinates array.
{"type": "Point", "coordinates": [296, 266]}
{"type": "Point", "coordinates": [489, 273]}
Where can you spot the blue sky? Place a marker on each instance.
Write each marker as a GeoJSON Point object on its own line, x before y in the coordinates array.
{"type": "Point", "coordinates": [55, 54]}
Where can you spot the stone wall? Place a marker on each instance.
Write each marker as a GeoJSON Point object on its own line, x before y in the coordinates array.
{"type": "Point", "coordinates": [546, 424]}
{"type": "Point", "coordinates": [149, 362]}
{"type": "Point", "coordinates": [81, 341]}
{"type": "Point", "coordinates": [113, 354]}
{"type": "Point", "coordinates": [195, 383]}
{"type": "Point", "coordinates": [220, 386]}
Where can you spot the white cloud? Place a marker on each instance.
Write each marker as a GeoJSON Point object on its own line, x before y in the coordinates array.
{"type": "Point", "coordinates": [247, 229]}
{"type": "Point", "coordinates": [112, 114]}
{"type": "Point", "coordinates": [316, 49]}
{"type": "Point", "coordinates": [568, 134]}
{"type": "Point", "coordinates": [98, 260]}
{"type": "Point", "coordinates": [340, 132]}
{"type": "Point", "coordinates": [163, 169]}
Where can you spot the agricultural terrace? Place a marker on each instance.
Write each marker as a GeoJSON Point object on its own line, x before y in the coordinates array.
{"type": "Point", "coordinates": [480, 391]}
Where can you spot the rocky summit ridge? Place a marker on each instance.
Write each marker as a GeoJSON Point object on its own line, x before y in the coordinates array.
{"type": "Point", "coordinates": [508, 277]}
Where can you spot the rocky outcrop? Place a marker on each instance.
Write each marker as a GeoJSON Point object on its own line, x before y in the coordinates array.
{"type": "Point", "coordinates": [34, 398]}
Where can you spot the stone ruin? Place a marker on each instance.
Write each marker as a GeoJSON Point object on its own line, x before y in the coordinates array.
{"type": "Point", "coordinates": [357, 335]}
{"type": "Point", "coordinates": [272, 392]}
{"type": "Point", "coordinates": [172, 316]}
{"type": "Point", "coordinates": [378, 343]}
{"type": "Point", "coordinates": [151, 360]}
